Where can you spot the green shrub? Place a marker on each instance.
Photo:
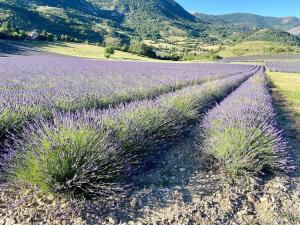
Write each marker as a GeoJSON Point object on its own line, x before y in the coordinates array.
{"type": "Point", "coordinates": [142, 49]}
{"type": "Point", "coordinates": [235, 147]}
{"type": "Point", "coordinates": [109, 50]}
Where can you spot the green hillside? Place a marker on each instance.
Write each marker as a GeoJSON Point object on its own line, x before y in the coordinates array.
{"type": "Point", "coordinates": [257, 48]}
{"type": "Point", "coordinates": [163, 24]}
{"type": "Point", "coordinates": [79, 19]}
{"type": "Point", "coordinates": [112, 22]}
{"type": "Point", "coordinates": [251, 22]}
{"type": "Point", "coordinates": [274, 36]}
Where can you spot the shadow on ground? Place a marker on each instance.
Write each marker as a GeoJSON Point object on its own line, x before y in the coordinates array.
{"type": "Point", "coordinates": [291, 126]}
{"type": "Point", "coordinates": [10, 48]}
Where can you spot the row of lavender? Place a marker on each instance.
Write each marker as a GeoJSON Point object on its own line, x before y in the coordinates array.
{"type": "Point", "coordinates": [262, 58]}
{"type": "Point", "coordinates": [290, 67]}
{"type": "Point", "coordinates": [35, 86]}
{"type": "Point", "coordinates": [89, 153]}
{"type": "Point", "coordinates": [242, 132]}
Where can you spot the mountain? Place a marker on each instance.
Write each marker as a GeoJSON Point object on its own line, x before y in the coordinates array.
{"type": "Point", "coordinates": [250, 22]}
{"type": "Point", "coordinates": [273, 35]}
{"type": "Point", "coordinates": [164, 23]}
{"type": "Point", "coordinates": [295, 30]}
{"type": "Point", "coordinates": [79, 19]}
{"type": "Point", "coordinates": [115, 21]}
{"type": "Point", "coordinates": [154, 19]}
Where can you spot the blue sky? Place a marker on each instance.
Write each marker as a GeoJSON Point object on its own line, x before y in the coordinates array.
{"type": "Point", "coordinates": [261, 7]}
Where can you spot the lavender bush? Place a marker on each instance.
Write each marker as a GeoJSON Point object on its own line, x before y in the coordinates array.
{"type": "Point", "coordinates": [144, 128]}
{"type": "Point", "coordinates": [241, 132]}
{"type": "Point", "coordinates": [14, 117]}
{"type": "Point", "coordinates": [68, 155]}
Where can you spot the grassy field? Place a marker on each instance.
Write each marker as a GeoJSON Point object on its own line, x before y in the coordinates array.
{"type": "Point", "coordinates": [256, 48]}
{"type": "Point", "coordinates": [286, 91]}
{"type": "Point", "coordinates": [288, 84]}
{"type": "Point", "coordinates": [84, 50]}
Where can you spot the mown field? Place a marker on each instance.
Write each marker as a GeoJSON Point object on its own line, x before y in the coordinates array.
{"type": "Point", "coordinates": [13, 48]}
{"type": "Point", "coordinates": [286, 89]}
{"type": "Point", "coordinates": [84, 50]}
{"type": "Point", "coordinates": [78, 129]}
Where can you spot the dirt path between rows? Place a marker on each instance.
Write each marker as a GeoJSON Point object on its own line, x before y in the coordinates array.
{"type": "Point", "coordinates": [180, 190]}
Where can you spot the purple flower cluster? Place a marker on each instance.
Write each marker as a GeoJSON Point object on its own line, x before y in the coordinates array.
{"type": "Point", "coordinates": [289, 67]}
{"type": "Point", "coordinates": [242, 133]}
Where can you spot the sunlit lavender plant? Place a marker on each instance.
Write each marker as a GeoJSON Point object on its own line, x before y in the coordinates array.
{"type": "Point", "coordinates": [68, 156]}
{"type": "Point", "coordinates": [242, 133]}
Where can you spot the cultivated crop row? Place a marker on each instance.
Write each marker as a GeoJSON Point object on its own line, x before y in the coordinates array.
{"type": "Point", "coordinates": [242, 132]}
{"type": "Point", "coordinates": [92, 152]}
{"type": "Point", "coordinates": [262, 57]}
{"type": "Point", "coordinates": [290, 67]}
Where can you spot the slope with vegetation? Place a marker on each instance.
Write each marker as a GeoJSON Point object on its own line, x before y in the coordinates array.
{"type": "Point", "coordinates": [257, 48]}
{"type": "Point", "coordinates": [273, 35]}
{"type": "Point", "coordinates": [170, 31]}
{"type": "Point", "coordinates": [251, 22]}
{"type": "Point", "coordinates": [103, 21]}
{"type": "Point", "coordinates": [85, 50]}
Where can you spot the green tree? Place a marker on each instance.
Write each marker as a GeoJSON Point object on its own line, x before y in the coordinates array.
{"type": "Point", "coordinates": [109, 50]}
{"type": "Point", "coordinates": [6, 27]}
{"type": "Point", "coordinates": [141, 48]}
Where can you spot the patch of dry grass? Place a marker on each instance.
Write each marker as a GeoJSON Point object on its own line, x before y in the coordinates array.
{"type": "Point", "coordinates": [85, 51]}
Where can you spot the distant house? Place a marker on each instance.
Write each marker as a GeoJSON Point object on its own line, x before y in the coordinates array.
{"type": "Point", "coordinates": [34, 35]}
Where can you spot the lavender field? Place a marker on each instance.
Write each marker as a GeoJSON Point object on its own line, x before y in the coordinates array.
{"type": "Point", "coordinates": [34, 86]}
{"type": "Point", "coordinates": [86, 128]}
{"type": "Point", "coordinates": [289, 67]}
{"type": "Point", "coordinates": [262, 58]}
